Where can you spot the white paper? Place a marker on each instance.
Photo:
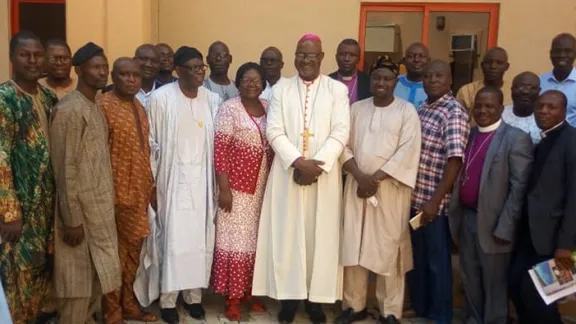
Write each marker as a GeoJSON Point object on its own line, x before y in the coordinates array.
{"type": "Point", "coordinates": [416, 221]}
{"type": "Point", "coordinates": [549, 299]}
{"type": "Point", "coordinates": [373, 201]}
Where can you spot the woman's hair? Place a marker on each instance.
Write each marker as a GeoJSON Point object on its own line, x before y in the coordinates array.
{"type": "Point", "coordinates": [247, 67]}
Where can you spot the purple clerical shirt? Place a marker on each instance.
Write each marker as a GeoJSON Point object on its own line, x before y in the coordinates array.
{"type": "Point", "coordinates": [473, 164]}
{"type": "Point", "coordinates": [352, 85]}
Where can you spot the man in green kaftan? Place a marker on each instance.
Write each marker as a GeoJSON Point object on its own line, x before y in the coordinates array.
{"type": "Point", "coordinates": [26, 181]}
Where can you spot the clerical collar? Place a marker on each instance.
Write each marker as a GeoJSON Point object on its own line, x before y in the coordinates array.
{"type": "Point", "coordinates": [347, 78]}
{"type": "Point", "coordinates": [547, 132]}
{"type": "Point", "coordinates": [309, 82]}
{"type": "Point", "coordinates": [490, 128]}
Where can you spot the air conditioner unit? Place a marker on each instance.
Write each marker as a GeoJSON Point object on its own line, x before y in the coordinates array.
{"type": "Point", "coordinates": [463, 43]}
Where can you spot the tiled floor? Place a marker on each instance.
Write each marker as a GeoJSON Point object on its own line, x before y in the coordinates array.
{"type": "Point", "coordinates": [215, 314]}
{"type": "Point", "coordinates": [214, 306]}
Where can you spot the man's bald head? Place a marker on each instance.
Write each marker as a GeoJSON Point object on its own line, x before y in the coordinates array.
{"type": "Point", "coordinates": [556, 95]}
{"type": "Point", "coordinates": [272, 51]}
{"type": "Point", "coordinates": [166, 54]}
{"type": "Point", "coordinates": [219, 59]}
{"type": "Point", "coordinates": [494, 65]}
{"type": "Point", "coordinates": [218, 45]}
{"type": "Point", "coordinates": [272, 62]}
{"type": "Point", "coordinates": [565, 37]}
{"type": "Point", "coordinates": [415, 59]}
{"type": "Point", "coordinates": [563, 53]}
{"type": "Point", "coordinates": [550, 109]}
{"type": "Point", "coordinates": [437, 66]}
{"type": "Point", "coordinates": [123, 62]}
{"type": "Point", "coordinates": [417, 46]}
{"type": "Point", "coordinates": [437, 79]}
{"type": "Point", "coordinates": [161, 46]}
{"type": "Point", "coordinates": [127, 77]}
{"type": "Point", "coordinates": [144, 48]}
{"type": "Point", "coordinates": [347, 57]}
{"type": "Point", "coordinates": [526, 76]}
{"type": "Point", "coordinates": [525, 91]}
{"type": "Point", "coordinates": [496, 52]}
{"type": "Point", "coordinates": [148, 57]}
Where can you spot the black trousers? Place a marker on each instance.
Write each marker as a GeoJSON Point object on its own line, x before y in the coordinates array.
{"type": "Point", "coordinates": [529, 305]}
{"type": "Point", "coordinates": [288, 309]}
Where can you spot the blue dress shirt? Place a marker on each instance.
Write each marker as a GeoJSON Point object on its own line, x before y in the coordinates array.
{"type": "Point", "coordinates": [568, 87]}
{"type": "Point", "coordinates": [412, 92]}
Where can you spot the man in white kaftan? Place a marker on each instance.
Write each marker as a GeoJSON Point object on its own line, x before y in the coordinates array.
{"type": "Point", "coordinates": [382, 158]}
{"type": "Point", "coordinates": [181, 131]}
{"type": "Point", "coordinates": [299, 234]}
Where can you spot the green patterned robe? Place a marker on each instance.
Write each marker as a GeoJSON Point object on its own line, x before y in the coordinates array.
{"type": "Point", "coordinates": [26, 193]}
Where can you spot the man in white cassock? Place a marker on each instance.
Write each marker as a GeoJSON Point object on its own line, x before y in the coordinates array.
{"type": "Point", "coordinates": [181, 131]}
{"type": "Point", "coordinates": [382, 158]}
{"type": "Point", "coordinates": [299, 234]}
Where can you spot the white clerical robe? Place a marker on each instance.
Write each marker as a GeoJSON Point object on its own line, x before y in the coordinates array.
{"type": "Point", "coordinates": [387, 139]}
{"type": "Point", "coordinates": [182, 232]}
{"type": "Point", "coordinates": [299, 234]}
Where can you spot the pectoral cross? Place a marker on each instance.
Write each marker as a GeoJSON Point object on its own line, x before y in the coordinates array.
{"type": "Point", "coordinates": [306, 140]}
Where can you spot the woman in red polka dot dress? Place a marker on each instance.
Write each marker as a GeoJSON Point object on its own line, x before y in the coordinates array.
{"type": "Point", "coordinates": [242, 159]}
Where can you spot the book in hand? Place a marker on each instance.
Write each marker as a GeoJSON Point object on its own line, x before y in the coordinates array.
{"type": "Point", "coordinates": [551, 282]}
{"type": "Point", "coordinates": [416, 221]}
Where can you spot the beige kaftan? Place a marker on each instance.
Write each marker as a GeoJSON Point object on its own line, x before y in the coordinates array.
{"type": "Point", "coordinates": [385, 138]}
{"type": "Point", "coordinates": [85, 196]}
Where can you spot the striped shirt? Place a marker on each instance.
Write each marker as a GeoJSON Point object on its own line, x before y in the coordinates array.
{"type": "Point", "coordinates": [445, 132]}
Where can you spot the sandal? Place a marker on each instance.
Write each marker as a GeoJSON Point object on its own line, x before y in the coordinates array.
{"type": "Point", "coordinates": [258, 307]}
{"type": "Point", "coordinates": [232, 311]}
{"type": "Point", "coordinates": [255, 305]}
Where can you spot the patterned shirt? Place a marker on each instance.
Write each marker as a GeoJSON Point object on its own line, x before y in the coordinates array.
{"type": "Point", "coordinates": [130, 159]}
{"type": "Point", "coordinates": [240, 144]}
{"type": "Point", "coordinates": [60, 91]}
{"type": "Point", "coordinates": [467, 94]}
{"type": "Point", "coordinates": [445, 131]}
{"type": "Point", "coordinates": [527, 124]}
{"type": "Point", "coordinates": [26, 194]}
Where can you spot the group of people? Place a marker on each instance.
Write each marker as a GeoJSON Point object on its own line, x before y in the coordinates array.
{"type": "Point", "coordinates": [293, 188]}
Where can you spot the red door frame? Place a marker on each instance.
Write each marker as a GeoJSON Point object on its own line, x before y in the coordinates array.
{"type": "Point", "coordinates": [15, 12]}
{"type": "Point", "coordinates": [426, 7]}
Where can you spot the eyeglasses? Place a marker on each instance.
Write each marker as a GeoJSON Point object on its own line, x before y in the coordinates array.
{"type": "Point", "coordinates": [310, 56]}
{"type": "Point", "coordinates": [526, 87]}
{"type": "Point", "coordinates": [246, 82]}
{"type": "Point", "coordinates": [62, 59]}
{"type": "Point", "coordinates": [269, 60]}
{"type": "Point", "coordinates": [221, 56]}
{"type": "Point", "coordinates": [195, 68]}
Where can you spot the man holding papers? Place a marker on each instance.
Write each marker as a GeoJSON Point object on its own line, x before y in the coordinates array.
{"type": "Point", "coordinates": [548, 225]}
{"type": "Point", "coordinates": [444, 125]}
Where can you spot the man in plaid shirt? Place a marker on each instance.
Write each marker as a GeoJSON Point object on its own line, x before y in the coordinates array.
{"type": "Point", "coordinates": [445, 132]}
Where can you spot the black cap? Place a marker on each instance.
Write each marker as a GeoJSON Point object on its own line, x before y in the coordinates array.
{"type": "Point", "coordinates": [86, 52]}
{"type": "Point", "coordinates": [185, 53]}
{"type": "Point", "coordinates": [385, 62]}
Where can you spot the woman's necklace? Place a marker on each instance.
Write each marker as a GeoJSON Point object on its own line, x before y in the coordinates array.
{"type": "Point", "coordinates": [258, 126]}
